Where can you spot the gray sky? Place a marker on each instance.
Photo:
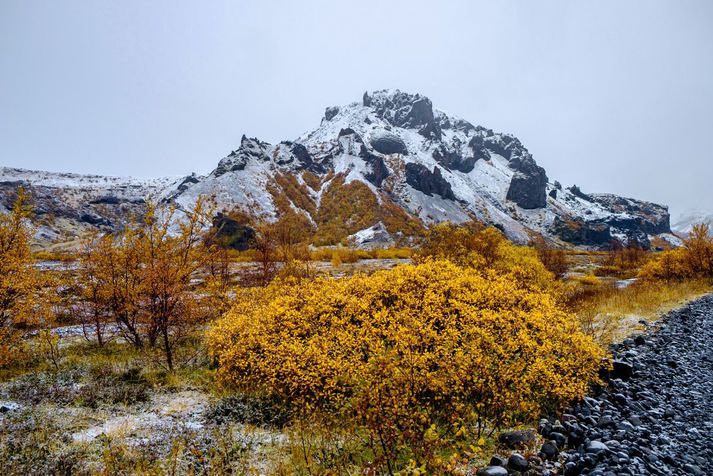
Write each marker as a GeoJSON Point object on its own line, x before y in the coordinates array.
{"type": "Point", "coordinates": [611, 95]}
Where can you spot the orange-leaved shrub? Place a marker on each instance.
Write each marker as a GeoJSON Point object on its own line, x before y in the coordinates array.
{"type": "Point", "coordinates": [488, 251]}
{"type": "Point", "coordinates": [693, 260]}
{"type": "Point", "coordinates": [417, 358]}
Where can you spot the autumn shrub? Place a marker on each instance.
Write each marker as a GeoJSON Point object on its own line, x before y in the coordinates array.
{"type": "Point", "coordinates": [488, 251]}
{"type": "Point", "coordinates": [693, 260]}
{"type": "Point", "coordinates": [623, 261]}
{"type": "Point", "coordinates": [391, 253]}
{"type": "Point", "coordinates": [554, 259]}
{"type": "Point", "coordinates": [416, 358]}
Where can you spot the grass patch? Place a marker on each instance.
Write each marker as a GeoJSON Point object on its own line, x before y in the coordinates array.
{"type": "Point", "coordinates": [610, 314]}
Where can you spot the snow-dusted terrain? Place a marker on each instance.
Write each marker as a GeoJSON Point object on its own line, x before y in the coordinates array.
{"type": "Point", "coordinates": [685, 221]}
{"type": "Point", "coordinates": [432, 165]}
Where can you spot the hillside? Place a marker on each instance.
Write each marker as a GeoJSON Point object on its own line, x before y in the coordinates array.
{"type": "Point", "coordinates": [384, 166]}
{"type": "Point", "coordinates": [684, 223]}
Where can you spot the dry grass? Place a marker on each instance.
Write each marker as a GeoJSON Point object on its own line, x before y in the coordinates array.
{"type": "Point", "coordinates": [611, 314]}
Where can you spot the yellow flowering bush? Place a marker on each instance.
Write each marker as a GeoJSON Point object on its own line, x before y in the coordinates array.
{"type": "Point", "coordinates": [416, 357]}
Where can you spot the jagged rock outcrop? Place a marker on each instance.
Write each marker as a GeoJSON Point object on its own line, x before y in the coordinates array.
{"type": "Point", "coordinates": [423, 180]}
{"type": "Point", "coordinates": [580, 232]}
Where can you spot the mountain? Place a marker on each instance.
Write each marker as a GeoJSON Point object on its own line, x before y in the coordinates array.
{"type": "Point", "coordinates": [374, 170]}
{"type": "Point", "coordinates": [67, 206]}
{"type": "Point", "coordinates": [684, 223]}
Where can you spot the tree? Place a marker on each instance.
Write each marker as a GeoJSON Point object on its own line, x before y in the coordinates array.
{"type": "Point", "coordinates": [143, 277]}
{"type": "Point", "coordinates": [169, 261]}
{"type": "Point", "coordinates": [699, 250]}
{"type": "Point", "coordinates": [693, 260]}
{"type": "Point", "coordinates": [20, 282]}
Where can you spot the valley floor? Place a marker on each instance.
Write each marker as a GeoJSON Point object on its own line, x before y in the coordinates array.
{"type": "Point", "coordinates": [98, 413]}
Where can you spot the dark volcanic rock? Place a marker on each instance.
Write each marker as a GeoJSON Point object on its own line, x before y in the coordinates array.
{"type": "Point", "coordinates": [492, 471]}
{"type": "Point", "coordinates": [645, 217]}
{"type": "Point", "coordinates": [405, 110]}
{"type": "Point", "coordinates": [237, 160]}
{"type": "Point", "coordinates": [388, 143]}
{"type": "Point", "coordinates": [528, 186]}
{"type": "Point", "coordinates": [422, 179]}
{"type": "Point", "coordinates": [580, 232]}
{"type": "Point", "coordinates": [528, 191]}
{"type": "Point", "coordinates": [379, 171]}
{"type": "Point", "coordinates": [232, 234]}
{"type": "Point", "coordinates": [453, 160]}
{"type": "Point", "coordinates": [330, 112]}
{"type": "Point", "coordinates": [517, 462]}
{"type": "Point", "coordinates": [516, 440]}
{"type": "Point", "coordinates": [652, 417]}
{"type": "Point", "coordinates": [577, 192]}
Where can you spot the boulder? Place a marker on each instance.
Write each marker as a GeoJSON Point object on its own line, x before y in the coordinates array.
{"type": "Point", "coordinates": [330, 112]}
{"type": "Point", "coordinates": [492, 471]}
{"type": "Point", "coordinates": [517, 462]}
{"type": "Point", "coordinates": [518, 439]}
{"type": "Point", "coordinates": [232, 234]}
{"type": "Point", "coordinates": [388, 143]}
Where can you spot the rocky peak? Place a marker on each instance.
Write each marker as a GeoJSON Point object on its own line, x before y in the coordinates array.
{"type": "Point", "coordinates": [411, 111]}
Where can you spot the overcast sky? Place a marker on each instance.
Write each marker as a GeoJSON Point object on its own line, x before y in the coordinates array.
{"type": "Point", "coordinates": [613, 96]}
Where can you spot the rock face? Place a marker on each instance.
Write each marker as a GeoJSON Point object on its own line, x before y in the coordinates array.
{"type": "Point", "coordinates": [422, 179]}
{"type": "Point", "coordinates": [233, 234]}
{"type": "Point", "coordinates": [418, 163]}
{"type": "Point", "coordinates": [66, 206]}
{"type": "Point", "coordinates": [655, 415]}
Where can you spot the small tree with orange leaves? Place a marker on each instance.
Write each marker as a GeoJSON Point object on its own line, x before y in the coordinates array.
{"type": "Point", "coordinates": [143, 277]}
{"type": "Point", "coordinates": [19, 281]}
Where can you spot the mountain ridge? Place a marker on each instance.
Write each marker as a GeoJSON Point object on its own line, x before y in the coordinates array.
{"type": "Point", "coordinates": [394, 160]}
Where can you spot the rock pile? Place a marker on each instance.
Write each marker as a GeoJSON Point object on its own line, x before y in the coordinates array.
{"type": "Point", "coordinates": [654, 416]}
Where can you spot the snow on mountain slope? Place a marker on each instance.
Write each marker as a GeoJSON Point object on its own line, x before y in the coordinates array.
{"type": "Point", "coordinates": [685, 221]}
{"type": "Point", "coordinates": [435, 167]}
{"type": "Point", "coordinates": [68, 205]}
{"type": "Point", "coordinates": [389, 162]}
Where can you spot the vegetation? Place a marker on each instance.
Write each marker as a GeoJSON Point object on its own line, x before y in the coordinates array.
{"type": "Point", "coordinates": [554, 259]}
{"type": "Point", "coordinates": [693, 260]}
{"type": "Point", "coordinates": [142, 278]}
{"type": "Point", "coordinates": [23, 300]}
{"type": "Point", "coordinates": [416, 357]}
{"type": "Point", "coordinates": [486, 250]}
{"type": "Point", "coordinates": [409, 370]}
{"type": "Point", "coordinates": [609, 314]}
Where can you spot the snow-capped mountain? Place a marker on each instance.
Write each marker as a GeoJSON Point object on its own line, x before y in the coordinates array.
{"type": "Point", "coordinates": [433, 166]}
{"type": "Point", "coordinates": [67, 206]}
{"type": "Point", "coordinates": [385, 166]}
{"type": "Point", "coordinates": [684, 223]}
